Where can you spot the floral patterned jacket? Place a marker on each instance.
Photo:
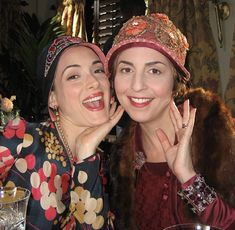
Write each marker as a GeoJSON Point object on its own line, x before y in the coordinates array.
{"type": "Point", "coordinates": [63, 196]}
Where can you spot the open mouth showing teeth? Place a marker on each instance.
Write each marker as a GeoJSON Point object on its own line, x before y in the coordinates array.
{"type": "Point", "coordinates": [140, 100]}
{"type": "Point", "coordinates": [93, 99]}
{"type": "Point", "coordinates": [94, 103]}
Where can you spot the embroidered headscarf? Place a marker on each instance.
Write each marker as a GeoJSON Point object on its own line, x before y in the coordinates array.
{"type": "Point", "coordinates": [49, 57]}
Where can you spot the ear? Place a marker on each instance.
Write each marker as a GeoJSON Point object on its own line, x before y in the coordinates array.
{"type": "Point", "coordinates": [52, 100]}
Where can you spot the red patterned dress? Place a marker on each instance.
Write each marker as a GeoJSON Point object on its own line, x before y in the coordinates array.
{"type": "Point", "coordinates": [159, 202]}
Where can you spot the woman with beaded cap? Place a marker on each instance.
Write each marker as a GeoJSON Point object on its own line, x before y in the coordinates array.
{"type": "Point", "coordinates": [169, 155]}
{"type": "Point", "coordinates": [59, 160]}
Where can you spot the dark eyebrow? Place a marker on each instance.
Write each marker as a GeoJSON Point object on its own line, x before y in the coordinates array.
{"type": "Point", "coordinates": [125, 62]}
{"type": "Point", "coordinates": [97, 62]}
{"type": "Point", "coordinates": [147, 64]}
{"type": "Point", "coordinates": [70, 66]}
{"type": "Point", "coordinates": [76, 65]}
{"type": "Point", "coordinates": [154, 63]}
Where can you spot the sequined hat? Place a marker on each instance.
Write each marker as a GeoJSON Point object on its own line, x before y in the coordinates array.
{"type": "Point", "coordinates": [49, 57]}
{"type": "Point", "coordinates": [155, 31]}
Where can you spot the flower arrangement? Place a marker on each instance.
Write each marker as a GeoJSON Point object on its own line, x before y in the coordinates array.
{"type": "Point", "coordinates": [7, 110]}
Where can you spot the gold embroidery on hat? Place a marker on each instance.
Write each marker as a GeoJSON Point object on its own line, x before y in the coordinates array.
{"type": "Point", "coordinates": [155, 28]}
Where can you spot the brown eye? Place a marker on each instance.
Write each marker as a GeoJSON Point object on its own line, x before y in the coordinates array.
{"type": "Point", "coordinates": [155, 71]}
{"type": "Point", "coordinates": [73, 77]}
{"type": "Point", "coordinates": [125, 70]}
{"type": "Point", "coordinates": [99, 70]}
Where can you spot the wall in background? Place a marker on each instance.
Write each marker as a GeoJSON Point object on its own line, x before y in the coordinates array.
{"type": "Point", "coordinates": [224, 53]}
{"type": "Point", "coordinates": [42, 10]}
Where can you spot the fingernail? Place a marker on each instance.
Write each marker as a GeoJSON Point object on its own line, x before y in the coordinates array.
{"type": "Point", "coordinates": [112, 100]}
{"type": "Point", "coordinates": [173, 104]}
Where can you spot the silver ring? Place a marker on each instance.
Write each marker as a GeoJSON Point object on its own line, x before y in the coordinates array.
{"type": "Point", "coordinates": [184, 126]}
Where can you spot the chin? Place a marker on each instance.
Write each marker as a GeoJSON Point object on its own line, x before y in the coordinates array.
{"type": "Point", "coordinates": [139, 118]}
{"type": "Point", "coordinates": [99, 120]}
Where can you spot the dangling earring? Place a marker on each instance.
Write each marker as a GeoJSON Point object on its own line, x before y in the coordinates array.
{"type": "Point", "coordinates": [56, 111]}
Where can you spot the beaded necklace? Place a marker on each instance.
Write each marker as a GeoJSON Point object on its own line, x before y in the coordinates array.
{"type": "Point", "coordinates": [64, 140]}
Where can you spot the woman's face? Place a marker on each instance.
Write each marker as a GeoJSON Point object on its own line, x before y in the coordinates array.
{"type": "Point", "coordinates": [143, 83]}
{"type": "Point", "coordinates": [81, 88]}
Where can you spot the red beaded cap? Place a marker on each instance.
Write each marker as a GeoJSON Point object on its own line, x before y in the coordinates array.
{"type": "Point", "coordinates": [155, 31]}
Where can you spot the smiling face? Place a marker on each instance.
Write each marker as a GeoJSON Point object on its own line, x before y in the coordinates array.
{"type": "Point", "coordinates": [81, 88]}
{"type": "Point", "coordinates": [143, 83]}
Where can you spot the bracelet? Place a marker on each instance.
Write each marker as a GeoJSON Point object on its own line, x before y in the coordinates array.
{"type": "Point", "coordinates": [198, 194]}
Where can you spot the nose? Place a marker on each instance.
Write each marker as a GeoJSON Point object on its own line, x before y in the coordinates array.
{"type": "Point", "coordinates": [92, 81]}
{"type": "Point", "coordinates": [138, 82]}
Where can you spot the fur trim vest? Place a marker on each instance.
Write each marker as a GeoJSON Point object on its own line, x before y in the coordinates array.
{"type": "Point", "coordinates": [213, 154]}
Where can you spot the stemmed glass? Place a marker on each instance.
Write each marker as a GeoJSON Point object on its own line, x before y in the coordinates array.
{"type": "Point", "coordinates": [192, 226]}
{"type": "Point", "coordinates": [13, 206]}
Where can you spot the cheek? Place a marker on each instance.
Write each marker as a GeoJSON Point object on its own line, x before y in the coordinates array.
{"type": "Point", "coordinates": [120, 86]}
{"type": "Point", "coordinates": [69, 95]}
{"type": "Point", "coordinates": [71, 92]}
{"type": "Point", "coordinates": [105, 84]}
{"type": "Point", "coordinates": [163, 89]}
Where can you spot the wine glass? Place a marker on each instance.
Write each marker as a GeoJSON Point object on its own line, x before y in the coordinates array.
{"type": "Point", "coordinates": [13, 206]}
{"type": "Point", "coordinates": [192, 226]}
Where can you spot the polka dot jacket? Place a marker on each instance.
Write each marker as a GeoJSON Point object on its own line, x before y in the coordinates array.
{"type": "Point", "coordinates": [63, 196]}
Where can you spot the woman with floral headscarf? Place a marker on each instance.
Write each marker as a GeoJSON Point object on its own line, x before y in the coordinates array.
{"type": "Point", "coordinates": [59, 160]}
{"type": "Point", "coordinates": [179, 149]}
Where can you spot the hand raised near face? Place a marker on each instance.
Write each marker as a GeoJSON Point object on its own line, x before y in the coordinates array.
{"type": "Point", "coordinates": [89, 139]}
{"type": "Point", "coordinates": [178, 156]}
